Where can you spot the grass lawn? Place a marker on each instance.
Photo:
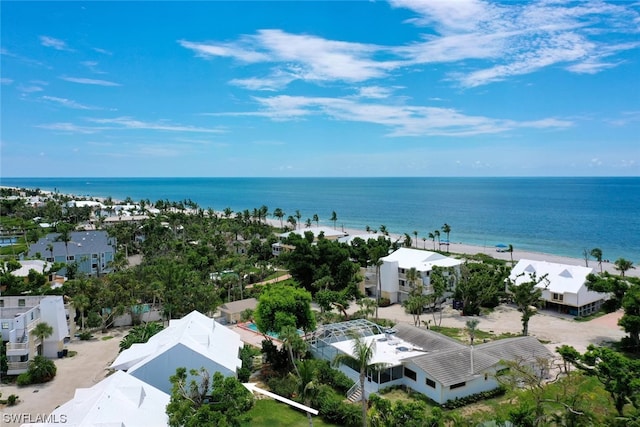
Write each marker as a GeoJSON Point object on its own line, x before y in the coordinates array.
{"type": "Point", "coordinates": [267, 413]}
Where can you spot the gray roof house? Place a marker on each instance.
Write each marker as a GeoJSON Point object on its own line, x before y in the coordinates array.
{"type": "Point", "coordinates": [437, 366]}
{"type": "Point", "coordinates": [91, 250]}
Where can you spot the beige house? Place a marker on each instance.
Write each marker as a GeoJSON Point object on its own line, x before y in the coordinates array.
{"type": "Point", "coordinates": [232, 311]}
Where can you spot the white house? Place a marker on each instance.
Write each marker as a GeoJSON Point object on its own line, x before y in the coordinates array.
{"type": "Point", "coordinates": [425, 361]}
{"type": "Point", "coordinates": [19, 315]}
{"type": "Point", "coordinates": [563, 286]}
{"type": "Point", "coordinates": [393, 271]}
{"type": "Point", "coordinates": [26, 266]}
{"type": "Point", "coordinates": [195, 341]}
{"type": "Point", "coordinates": [118, 400]}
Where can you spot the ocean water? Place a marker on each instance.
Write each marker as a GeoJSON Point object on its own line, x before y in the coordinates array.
{"type": "Point", "coordinates": [560, 216]}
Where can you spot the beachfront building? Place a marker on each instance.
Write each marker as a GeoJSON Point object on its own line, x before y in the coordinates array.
{"type": "Point", "coordinates": [437, 366]}
{"type": "Point", "coordinates": [19, 315]}
{"type": "Point", "coordinates": [195, 341]}
{"type": "Point", "coordinates": [394, 284]}
{"type": "Point", "coordinates": [328, 233]}
{"type": "Point", "coordinates": [118, 400]}
{"type": "Point", "coordinates": [91, 251]}
{"type": "Point", "coordinates": [563, 286]}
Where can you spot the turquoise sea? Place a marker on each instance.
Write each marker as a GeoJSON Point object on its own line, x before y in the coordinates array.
{"type": "Point", "coordinates": [561, 216]}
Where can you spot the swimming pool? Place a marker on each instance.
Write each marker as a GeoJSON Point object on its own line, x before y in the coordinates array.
{"type": "Point", "coordinates": [254, 328]}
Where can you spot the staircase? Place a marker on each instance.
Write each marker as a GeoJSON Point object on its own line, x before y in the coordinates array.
{"type": "Point", "coordinates": [355, 393]}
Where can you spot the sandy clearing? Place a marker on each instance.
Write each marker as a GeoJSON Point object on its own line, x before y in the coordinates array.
{"type": "Point", "coordinates": [83, 370]}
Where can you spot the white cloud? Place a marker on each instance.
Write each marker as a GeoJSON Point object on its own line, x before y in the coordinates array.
{"type": "Point", "coordinates": [130, 123]}
{"type": "Point", "coordinates": [402, 120]}
{"type": "Point", "coordinates": [92, 66]}
{"type": "Point", "coordinates": [102, 51]}
{"type": "Point", "coordinates": [302, 57]}
{"type": "Point", "coordinates": [54, 43]}
{"type": "Point", "coordinates": [374, 92]}
{"type": "Point", "coordinates": [69, 128]}
{"type": "Point", "coordinates": [6, 81]}
{"type": "Point", "coordinates": [520, 37]}
{"type": "Point", "coordinates": [89, 81]}
{"type": "Point", "coordinates": [67, 103]}
{"type": "Point", "coordinates": [517, 38]}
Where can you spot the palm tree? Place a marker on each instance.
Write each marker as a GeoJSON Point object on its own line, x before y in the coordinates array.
{"type": "Point", "coordinates": [407, 240]}
{"type": "Point", "coordinates": [50, 249]}
{"type": "Point", "coordinates": [292, 341]}
{"type": "Point", "coordinates": [65, 236]}
{"type": "Point", "coordinates": [362, 355]}
{"type": "Point", "coordinates": [308, 223]}
{"type": "Point", "coordinates": [436, 233]}
{"type": "Point", "coordinates": [298, 215]}
{"type": "Point", "coordinates": [316, 219]}
{"type": "Point", "coordinates": [307, 387]}
{"type": "Point", "coordinates": [81, 303]}
{"type": "Point", "coordinates": [291, 220]}
{"type": "Point", "coordinates": [42, 331]}
{"type": "Point", "coordinates": [424, 243]}
{"type": "Point", "coordinates": [597, 254]}
{"type": "Point", "coordinates": [227, 212]}
{"type": "Point", "coordinates": [433, 239]}
{"type": "Point", "coordinates": [334, 218]}
{"type": "Point", "coordinates": [510, 250]}
{"type": "Point", "coordinates": [279, 213]}
{"type": "Point", "coordinates": [383, 230]}
{"type": "Point", "coordinates": [415, 235]}
{"type": "Point", "coordinates": [623, 265]}
{"type": "Point", "coordinates": [471, 329]}
{"type": "Point", "coordinates": [446, 228]}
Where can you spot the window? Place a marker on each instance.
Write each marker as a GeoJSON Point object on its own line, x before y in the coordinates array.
{"type": "Point", "coordinates": [408, 373]}
{"type": "Point", "coordinates": [49, 259]}
{"type": "Point", "coordinates": [401, 270]}
{"type": "Point", "coordinates": [454, 386]}
{"type": "Point", "coordinates": [21, 303]}
{"type": "Point", "coordinates": [557, 297]}
{"type": "Point", "coordinates": [1, 303]}
{"type": "Point", "coordinates": [71, 258]}
{"type": "Point", "coordinates": [431, 383]}
{"type": "Point", "coordinates": [94, 256]}
{"type": "Point", "coordinates": [5, 325]}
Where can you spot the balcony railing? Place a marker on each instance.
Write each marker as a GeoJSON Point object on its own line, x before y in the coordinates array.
{"type": "Point", "coordinates": [17, 366]}
{"type": "Point", "coordinates": [17, 346]}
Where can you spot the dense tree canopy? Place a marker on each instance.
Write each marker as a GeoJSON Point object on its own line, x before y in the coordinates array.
{"type": "Point", "coordinates": [280, 306]}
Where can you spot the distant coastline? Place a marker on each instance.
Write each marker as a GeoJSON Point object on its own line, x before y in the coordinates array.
{"type": "Point", "coordinates": [557, 216]}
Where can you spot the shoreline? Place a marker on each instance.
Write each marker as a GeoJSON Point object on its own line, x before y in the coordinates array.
{"type": "Point", "coordinates": [461, 248]}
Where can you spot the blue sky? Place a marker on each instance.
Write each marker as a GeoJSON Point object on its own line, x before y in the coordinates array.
{"type": "Point", "coordinates": [399, 88]}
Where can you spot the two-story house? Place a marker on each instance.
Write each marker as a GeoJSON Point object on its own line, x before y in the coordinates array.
{"type": "Point", "coordinates": [19, 315]}
{"type": "Point", "coordinates": [92, 251]}
{"type": "Point", "coordinates": [394, 268]}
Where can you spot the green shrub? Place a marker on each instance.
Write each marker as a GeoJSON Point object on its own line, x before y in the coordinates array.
{"type": "Point", "coordinates": [85, 335]}
{"type": "Point", "coordinates": [384, 302]}
{"type": "Point", "coordinates": [24, 379]}
{"type": "Point", "coordinates": [284, 386]}
{"type": "Point", "coordinates": [333, 377]}
{"type": "Point", "coordinates": [334, 410]}
{"type": "Point", "coordinates": [94, 320]}
{"type": "Point", "coordinates": [467, 400]}
{"type": "Point", "coordinates": [12, 400]}
{"type": "Point", "coordinates": [41, 370]}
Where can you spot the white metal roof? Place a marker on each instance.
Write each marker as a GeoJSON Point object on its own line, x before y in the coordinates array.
{"type": "Point", "coordinates": [30, 264]}
{"type": "Point", "coordinates": [196, 331]}
{"type": "Point", "coordinates": [420, 260]}
{"type": "Point", "coordinates": [118, 400]}
{"type": "Point", "coordinates": [389, 350]}
{"type": "Point", "coordinates": [561, 278]}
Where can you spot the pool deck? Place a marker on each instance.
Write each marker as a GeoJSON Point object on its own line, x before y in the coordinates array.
{"type": "Point", "coordinates": [250, 337]}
